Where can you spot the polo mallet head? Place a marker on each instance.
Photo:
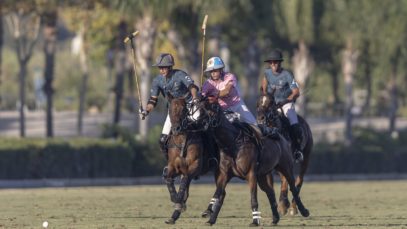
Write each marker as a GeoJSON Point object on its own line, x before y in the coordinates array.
{"type": "Point", "coordinates": [203, 46]}
{"type": "Point", "coordinates": [131, 36]}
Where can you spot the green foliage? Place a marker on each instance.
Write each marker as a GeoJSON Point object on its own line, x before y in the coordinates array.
{"type": "Point", "coordinates": [371, 152]}
{"type": "Point", "coordinates": [77, 158]}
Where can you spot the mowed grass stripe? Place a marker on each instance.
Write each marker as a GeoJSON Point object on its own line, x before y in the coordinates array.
{"type": "Point", "coordinates": [373, 204]}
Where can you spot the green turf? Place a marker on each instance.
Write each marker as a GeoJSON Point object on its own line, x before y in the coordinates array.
{"type": "Point", "coordinates": [331, 204]}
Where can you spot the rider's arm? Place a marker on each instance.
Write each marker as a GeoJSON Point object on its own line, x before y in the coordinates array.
{"type": "Point", "coordinates": [152, 102]}
{"type": "Point", "coordinates": [295, 93]}
{"type": "Point", "coordinates": [194, 91]}
{"type": "Point", "coordinates": [264, 85]}
{"type": "Point", "coordinates": [231, 82]}
{"type": "Point", "coordinates": [226, 90]}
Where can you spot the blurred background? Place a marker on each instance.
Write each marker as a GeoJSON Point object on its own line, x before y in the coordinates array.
{"type": "Point", "coordinates": [68, 100]}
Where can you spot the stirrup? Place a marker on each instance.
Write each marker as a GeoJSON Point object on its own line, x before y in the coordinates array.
{"type": "Point", "coordinates": [298, 156]}
{"type": "Point", "coordinates": [165, 172]}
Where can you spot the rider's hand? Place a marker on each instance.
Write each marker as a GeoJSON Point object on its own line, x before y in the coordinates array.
{"type": "Point", "coordinates": [212, 99]}
{"type": "Point", "coordinates": [143, 113]}
{"type": "Point", "coordinates": [195, 100]}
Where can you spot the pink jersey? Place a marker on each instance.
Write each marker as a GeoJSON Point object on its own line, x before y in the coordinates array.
{"type": "Point", "coordinates": [212, 88]}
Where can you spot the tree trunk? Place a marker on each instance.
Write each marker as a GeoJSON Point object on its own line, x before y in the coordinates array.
{"type": "Point", "coordinates": [85, 75]}
{"type": "Point", "coordinates": [21, 108]}
{"type": "Point", "coordinates": [393, 101]}
{"type": "Point", "coordinates": [144, 52]}
{"type": "Point", "coordinates": [1, 48]}
{"type": "Point", "coordinates": [349, 64]}
{"type": "Point", "coordinates": [49, 51]}
{"type": "Point", "coordinates": [393, 93]}
{"type": "Point", "coordinates": [120, 67]}
{"type": "Point", "coordinates": [82, 99]}
{"type": "Point", "coordinates": [252, 73]}
{"type": "Point", "coordinates": [368, 77]}
{"type": "Point", "coordinates": [303, 65]}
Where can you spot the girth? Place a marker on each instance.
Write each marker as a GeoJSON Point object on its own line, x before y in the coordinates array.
{"type": "Point", "coordinates": [188, 140]}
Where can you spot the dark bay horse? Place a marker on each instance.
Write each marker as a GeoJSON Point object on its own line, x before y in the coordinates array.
{"type": "Point", "coordinates": [188, 152]}
{"type": "Point", "coordinates": [268, 114]}
{"type": "Point", "coordinates": [243, 156]}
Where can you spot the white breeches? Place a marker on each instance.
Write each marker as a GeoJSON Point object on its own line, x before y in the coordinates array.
{"type": "Point", "coordinates": [244, 113]}
{"type": "Point", "coordinates": [290, 113]}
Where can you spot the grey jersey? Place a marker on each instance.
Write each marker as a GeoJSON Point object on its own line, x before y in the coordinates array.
{"type": "Point", "coordinates": [177, 85]}
{"type": "Point", "coordinates": [282, 83]}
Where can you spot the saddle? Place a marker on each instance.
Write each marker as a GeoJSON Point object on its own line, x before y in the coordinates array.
{"type": "Point", "coordinates": [252, 133]}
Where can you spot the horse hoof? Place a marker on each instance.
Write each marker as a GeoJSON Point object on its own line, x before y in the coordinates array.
{"type": "Point", "coordinates": [206, 214]}
{"type": "Point", "coordinates": [293, 211]}
{"type": "Point", "coordinates": [184, 207]}
{"type": "Point", "coordinates": [170, 221]}
{"type": "Point", "coordinates": [254, 225]}
{"type": "Point", "coordinates": [305, 213]}
{"type": "Point", "coordinates": [208, 223]}
{"type": "Point", "coordinates": [276, 220]}
{"type": "Point", "coordinates": [282, 210]}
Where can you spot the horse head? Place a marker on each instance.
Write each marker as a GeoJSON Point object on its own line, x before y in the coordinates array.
{"type": "Point", "coordinates": [267, 110]}
{"type": "Point", "coordinates": [178, 113]}
{"type": "Point", "coordinates": [213, 111]}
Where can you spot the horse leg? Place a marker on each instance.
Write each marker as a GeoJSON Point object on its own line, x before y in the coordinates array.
{"type": "Point", "coordinates": [219, 197]}
{"type": "Point", "coordinates": [298, 183]}
{"type": "Point", "coordinates": [252, 179]}
{"type": "Point", "coordinates": [169, 180]}
{"type": "Point", "coordinates": [208, 210]}
{"type": "Point", "coordinates": [185, 181]}
{"type": "Point", "coordinates": [283, 204]}
{"type": "Point", "coordinates": [266, 184]}
{"type": "Point", "coordinates": [287, 171]}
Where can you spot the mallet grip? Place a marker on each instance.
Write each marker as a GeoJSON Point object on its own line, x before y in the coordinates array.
{"type": "Point", "coordinates": [129, 37]}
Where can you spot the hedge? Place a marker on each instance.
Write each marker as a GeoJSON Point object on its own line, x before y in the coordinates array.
{"type": "Point", "coordinates": [371, 152]}
{"type": "Point", "coordinates": [77, 158]}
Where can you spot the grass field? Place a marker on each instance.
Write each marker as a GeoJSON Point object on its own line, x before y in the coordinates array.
{"type": "Point", "coordinates": [381, 204]}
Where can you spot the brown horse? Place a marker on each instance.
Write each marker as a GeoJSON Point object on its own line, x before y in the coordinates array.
{"type": "Point", "coordinates": [188, 152]}
{"type": "Point", "coordinates": [268, 114]}
{"type": "Point", "coordinates": [242, 156]}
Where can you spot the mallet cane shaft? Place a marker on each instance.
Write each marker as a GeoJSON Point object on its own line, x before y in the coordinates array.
{"type": "Point", "coordinates": [203, 46]}
{"type": "Point", "coordinates": [127, 39]}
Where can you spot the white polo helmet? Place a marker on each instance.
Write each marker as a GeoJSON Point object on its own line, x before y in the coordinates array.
{"type": "Point", "coordinates": [214, 63]}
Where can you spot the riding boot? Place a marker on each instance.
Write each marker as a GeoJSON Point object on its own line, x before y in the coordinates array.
{"type": "Point", "coordinates": [163, 148]}
{"type": "Point", "coordinates": [297, 139]}
{"type": "Point", "coordinates": [271, 132]}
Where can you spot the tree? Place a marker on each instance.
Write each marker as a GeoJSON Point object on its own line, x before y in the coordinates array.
{"type": "Point", "coordinates": [49, 20]}
{"type": "Point", "coordinates": [147, 15]}
{"type": "Point", "coordinates": [296, 21]}
{"type": "Point", "coordinates": [24, 22]}
{"type": "Point", "coordinates": [121, 67]}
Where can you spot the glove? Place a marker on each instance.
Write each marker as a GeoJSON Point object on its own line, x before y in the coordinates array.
{"type": "Point", "coordinates": [212, 99]}
{"type": "Point", "coordinates": [143, 113]}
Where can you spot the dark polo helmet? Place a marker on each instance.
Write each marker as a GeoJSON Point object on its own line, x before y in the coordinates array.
{"type": "Point", "coordinates": [275, 55]}
{"type": "Point", "coordinates": [164, 60]}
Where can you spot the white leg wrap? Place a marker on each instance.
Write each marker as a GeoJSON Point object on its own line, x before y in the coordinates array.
{"type": "Point", "coordinates": [256, 215]}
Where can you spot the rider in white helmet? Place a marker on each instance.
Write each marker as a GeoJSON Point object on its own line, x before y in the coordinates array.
{"type": "Point", "coordinates": [223, 86]}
